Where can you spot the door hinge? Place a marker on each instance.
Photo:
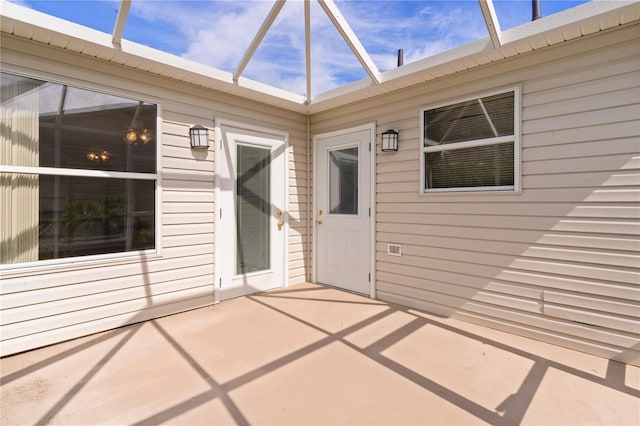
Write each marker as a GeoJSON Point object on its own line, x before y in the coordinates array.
{"type": "Point", "coordinates": [369, 146]}
{"type": "Point", "coordinates": [220, 283]}
{"type": "Point", "coordinates": [369, 211]}
{"type": "Point", "coordinates": [369, 276]}
{"type": "Point", "coordinates": [220, 213]}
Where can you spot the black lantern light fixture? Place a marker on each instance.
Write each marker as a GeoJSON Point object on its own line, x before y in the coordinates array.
{"type": "Point", "coordinates": [390, 140]}
{"type": "Point", "coordinates": [199, 137]}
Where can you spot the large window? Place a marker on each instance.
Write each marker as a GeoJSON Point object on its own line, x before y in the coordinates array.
{"type": "Point", "coordinates": [472, 145]}
{"type": "Point", "coordinates": [77, 172]}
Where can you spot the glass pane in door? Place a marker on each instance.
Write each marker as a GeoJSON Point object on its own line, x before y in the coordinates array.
{"type": "Point", "coordinates": [253, 209]}
{"type": "Point", "coordinates": [343, 181]}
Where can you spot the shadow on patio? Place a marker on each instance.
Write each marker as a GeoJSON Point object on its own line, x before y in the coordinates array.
{"type": "Point", "coordinates": [310, 354]}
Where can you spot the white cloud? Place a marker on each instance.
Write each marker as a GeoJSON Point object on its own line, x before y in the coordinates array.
{"type": "Point", "coordinates": [421, 29]}
{"type": "Point", "coordinates": [281, 58]}
{"type": "Point", "coordinates": [215, 33]}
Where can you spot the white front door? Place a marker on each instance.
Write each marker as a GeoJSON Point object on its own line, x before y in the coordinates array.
{"type": "Point", "coordinates": [252, 215]}
{"type": "Point", "coordinates": [342, 215]}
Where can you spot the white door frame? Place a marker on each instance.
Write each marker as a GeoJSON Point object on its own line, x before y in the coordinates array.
{"type": "Point", "coordinates": [371, 127]}
{"type": "Point", "coordinates": [221, 121]}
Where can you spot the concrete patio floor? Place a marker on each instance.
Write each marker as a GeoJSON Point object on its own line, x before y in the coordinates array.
{"type": "Point", "coordinates": [312, 355]}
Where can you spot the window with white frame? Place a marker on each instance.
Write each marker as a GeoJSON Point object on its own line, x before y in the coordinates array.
{"type": "Point", "coordinates": [472, 145]}
{"type": "Point", "coordinates": [77, 172]}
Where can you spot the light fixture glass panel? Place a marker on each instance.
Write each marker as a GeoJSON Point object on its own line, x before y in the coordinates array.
{"type": "Point", "coordinates": [253, 209]}
{"type": "Point", "coordinates": [343, 181]}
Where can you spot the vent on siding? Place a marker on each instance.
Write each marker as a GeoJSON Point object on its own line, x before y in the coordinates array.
{"type": "Point", "coordinates": [394, 249]}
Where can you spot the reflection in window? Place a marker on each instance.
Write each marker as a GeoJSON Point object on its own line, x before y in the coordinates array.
{"type": "Point", "coordinates": [49, 215]}
{"type": "Point", "coordinates": [94, 216]}
{"type": "Point", "coordinates": [121, 133]}
{"type": "Point", "coordinates": [481, 118]}
{"type": "Point", "coordinates": [343, 181]}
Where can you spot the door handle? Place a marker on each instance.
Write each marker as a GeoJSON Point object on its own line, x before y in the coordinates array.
{"type": "Point", "coordinates": [280, 225]}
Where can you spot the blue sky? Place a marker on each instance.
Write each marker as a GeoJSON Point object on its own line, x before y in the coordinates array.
{"type": "Point", "coordinates": [217, 33]}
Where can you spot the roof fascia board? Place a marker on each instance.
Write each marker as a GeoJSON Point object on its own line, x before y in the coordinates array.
{"type": "Point", "coordinates": [296, 101]}
{"type": "Point", "coordinates": [121, 20]}
{"type": "Point", "coordinates": [342, 91]}
{"type": "Point", "coordinates": [34, 20]}
{"type": "Point", "coordinates": [491, 20]}
{"type": "Point", "coordinates": [448, 57]}
{"type": "Point", "coordinates": [262, 32]}
{"type": "Point", "coordinates": [598, 14]}
{"type": "Point", "coordinates": [351, 39]}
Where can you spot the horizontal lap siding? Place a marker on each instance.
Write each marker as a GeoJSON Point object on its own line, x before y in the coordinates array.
{"type": "Point", "coordinates": [299, 257]}
{"type": "Point", "coordinates": [559, 261]}
{"type": "Point", "coordinates": [46, 305]}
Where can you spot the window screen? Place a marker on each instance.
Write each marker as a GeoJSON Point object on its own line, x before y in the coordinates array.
{"type": "Point", "coordinates": [471, 145]}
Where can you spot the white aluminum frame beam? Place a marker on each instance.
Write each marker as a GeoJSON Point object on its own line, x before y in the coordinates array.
{"type": "Point", "coordinates": [121, 20]}
{"type": "Point", "coordinates": [351, 39]}
{"type": "Point", "coordinates": [262, 32]}
{"type": "Point", "coordinates": [307, 38]}
{"type": "Point", "coordinates": [491, 20]}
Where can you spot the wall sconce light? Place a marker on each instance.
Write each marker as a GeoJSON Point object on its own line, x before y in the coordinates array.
{"type": "Point", "coordinates": [390, 140]}
{"type": "Point", "coordinates": [199, 137]}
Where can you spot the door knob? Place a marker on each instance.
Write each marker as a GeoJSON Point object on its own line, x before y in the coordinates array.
{"type": "Point", "coordinates": [318, 222]}
{"type": "Point", "coordinates": [280, 225]}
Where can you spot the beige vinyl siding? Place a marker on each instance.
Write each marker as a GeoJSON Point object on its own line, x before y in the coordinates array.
{"type": "Point", "coordinates": [299, 258]}
{"type": "Point", "coordinates": [48, 304]}
{"type": "Point", "coordinates": [559, 261]}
